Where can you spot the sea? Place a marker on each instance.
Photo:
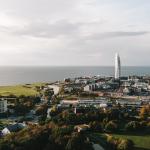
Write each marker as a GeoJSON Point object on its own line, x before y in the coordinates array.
{"type": "Point", "coordinates": [12, 75]}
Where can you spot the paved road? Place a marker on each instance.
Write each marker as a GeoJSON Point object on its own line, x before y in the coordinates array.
{"type": "Point", "coordinates": [97, 147]}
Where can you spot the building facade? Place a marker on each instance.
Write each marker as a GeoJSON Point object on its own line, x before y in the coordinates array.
{"type": "Point", "coordinates": [117, 66]}
{"type": "Point", "coordinates": [3, 106]}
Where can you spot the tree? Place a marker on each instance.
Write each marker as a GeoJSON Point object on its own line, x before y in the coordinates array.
{"type": "Point", "coordinates": [78, 142]}
{"type": "Point", "coordinates": [42, 110]}
{"type": "Point", "coordinates": [48, 93]}
{"type": "Point", "coordinates": [21, 109]}
{"type": "Point", "coordinates": [112, 142]}
{"type": "Point", "coordinates": [133, 126]}
{"type": "Point", "coordinates": [42, 119]}
{"type": "Point", "coordinates": [36, 100]}
{"type": "Point", "coordinates": [119, 143]}
{"type": "Point", "coordinates": [145, 112]}
{"type": "Point", "coordinates": [125, 144]}
{"type": "Point", "coordinates": [111, 126]}
{"type": "Point", "coordinates": [95, 126]}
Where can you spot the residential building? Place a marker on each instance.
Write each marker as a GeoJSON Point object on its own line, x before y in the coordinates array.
{"type": "Point", "coordinates": [90, 87]}
{"type": "Point", "coordinates": [3, 105]}
{"type": "Point", "coordinates": [13, 128]}
{"type": "Point", "coordinates": [82, 128]}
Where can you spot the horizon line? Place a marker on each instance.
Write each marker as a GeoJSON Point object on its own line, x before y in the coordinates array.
{"type": "Point", "coordinates": [72, 66]}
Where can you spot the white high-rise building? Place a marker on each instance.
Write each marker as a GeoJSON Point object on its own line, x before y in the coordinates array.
{"type": "Point", "coordinates": [117, 66]}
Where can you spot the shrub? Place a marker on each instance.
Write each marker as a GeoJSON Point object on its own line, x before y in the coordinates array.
{"type": "Point", "coordinates": [78, 142]}
{"type": "Point", "coordinates": [119, 144]}
{"type": "Point", "coordinates": [112, 142]}
{"type": "Point", "coordinates": [133, 126]}
{"type": "Point", "coordinates": [95, 126]}
{"type": "Point", "coordinates": [148, 127]}
{"type": "Point", "coordinates": [125, 144]}
{"type": "Point", "coordinates": [143, 125]}
{"type": "Point", "coordinates": [111, 126]}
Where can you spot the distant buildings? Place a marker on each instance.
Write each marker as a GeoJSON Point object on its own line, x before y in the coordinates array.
{"type": "Point", "coordinates": [101, 85]}
{"type": "Point", "coordinates": [90, 87]}
{"type": "Point", "coordinates": [85, 102]}
{"type": "Point", "coordinates": [3, 105]}
{"type": "Point", "coordinates": [117, 66]}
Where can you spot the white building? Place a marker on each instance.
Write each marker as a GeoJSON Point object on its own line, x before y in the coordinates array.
{"type": "Point", "coordinates": [3, 106]}
{"type": "Point", "coordinates": [55, 88]}
{"type": "Point", "coordinates": [85, 102]}
{"type": "Point", "coordinates": [81, 81]}
{"type": "Point", "coordinates": [69, 102]}
{"type": "Point", "coordinates": [117, 66]}
{"type": "Point", "coordinates": [95, 102]}
{"type": "Point", "coordinates": [141, 85]}
{"type": "Point", "coordinates": [90, 87]}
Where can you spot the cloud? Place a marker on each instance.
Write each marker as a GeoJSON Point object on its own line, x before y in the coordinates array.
{"type": "Point", "coordinates": [116, 34]}
{"type": "Point", "coordinates": [48, 30]}
{"type": "Point", "coordinates": [81, 32]}
{"type": "Point", "coordinates": [66, 28]}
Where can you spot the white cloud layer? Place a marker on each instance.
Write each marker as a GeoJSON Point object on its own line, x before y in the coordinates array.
{"type": "Point", "coordinates": [74, 32]}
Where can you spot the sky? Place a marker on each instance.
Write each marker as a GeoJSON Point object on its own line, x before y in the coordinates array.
{"type": "Point", "coordinates": [74, 32]}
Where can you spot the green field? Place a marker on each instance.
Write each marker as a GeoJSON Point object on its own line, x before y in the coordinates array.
{"type": "Point", "coordinates": [142, 142]}
{"type": "Point", "coordinates": [27, 90]}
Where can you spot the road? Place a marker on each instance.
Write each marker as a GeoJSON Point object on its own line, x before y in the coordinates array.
{"type": "Point", "coordinates": [97, 147]}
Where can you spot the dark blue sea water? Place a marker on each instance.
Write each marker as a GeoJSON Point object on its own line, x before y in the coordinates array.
{"type": "Point", "coordinates": [19, 75]}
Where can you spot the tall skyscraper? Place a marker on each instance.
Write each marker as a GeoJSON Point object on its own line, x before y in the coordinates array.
{"type": "Point", "coordinates": [117, 66]}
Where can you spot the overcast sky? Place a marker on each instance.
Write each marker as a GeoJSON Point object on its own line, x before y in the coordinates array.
{"type": "Point", "coordinates": [74, 32]}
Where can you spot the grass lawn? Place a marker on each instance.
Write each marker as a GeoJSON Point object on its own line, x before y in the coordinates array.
{"type": "Point", "coordinates": [142, 142]}
{"type": "Point", "coordinates": [27, 90]}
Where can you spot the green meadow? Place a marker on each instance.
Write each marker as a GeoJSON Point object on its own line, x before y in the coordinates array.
{"type": "Point", "coordinates": [142, 142]}
{"type": "Point", "coordinates": [17, 90]}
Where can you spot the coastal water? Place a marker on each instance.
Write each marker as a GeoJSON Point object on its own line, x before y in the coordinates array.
{"type": "Point", "coordinates": [20, 75]}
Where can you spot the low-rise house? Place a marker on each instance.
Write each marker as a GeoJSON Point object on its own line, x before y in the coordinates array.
{"type": "Point", "coordinates": [87, 88]}
{"type": "Point", "coordinates": [129, 102]}
{"type": "Point", "coordinates": [103, 105]}
{"type": "Point", "coordinates": [126, 84]}
{"type": "Point", "coordinates": [101, 86]}
{"type": "Point", "coordinates": [69, 102]}
{"type": "Point", "coordinates": [81, 81]}
{"type": "Point", "coordinates": [67, 80]}
{"type": "Point", "coordinates": [141, 85]}
{"type": "Point", "coordinates": [116, 94]}
{"type": "Point", "coordinates": [126, 91]}
{"type": "Point", "coordinates": [81, 110]}
{"type": "Point", "coordinates": [106, 86]}
{"type": "Point", "coordinates": [48, 112]}
{"type": "Point", "coordinates": [88, 102]}
{"type": "Point", "coordinates": [84, 102]}
{"type": "Point", "coordinates": [68, 89]}
{"type": "Point", "coordinates": [133, 78]}
{"type": "Point", "coordinates": [13, 128]}
{"type": "Point", "coordinates": [82, 128]}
